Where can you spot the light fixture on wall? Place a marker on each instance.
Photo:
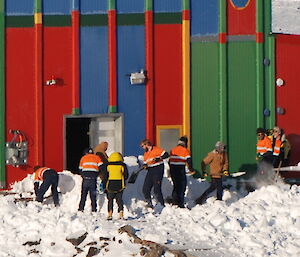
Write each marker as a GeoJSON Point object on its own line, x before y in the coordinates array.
{"type": "Point", "coordinates": [138, 77]}
{"type": "Point", "coordinates": [280, 110]}
{"type": "Point", "coordinates": [52, 81]}
{"type": "Point", "coordinates": [279, 82]}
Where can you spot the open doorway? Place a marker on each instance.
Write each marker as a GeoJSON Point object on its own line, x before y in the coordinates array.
{"type": "Point", "coordinates": [84, 131]}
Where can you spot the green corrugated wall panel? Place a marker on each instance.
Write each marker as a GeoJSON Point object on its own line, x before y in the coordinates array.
{"type": "Point", "coordinates": [204, 99]}
{"type": "Point", "coordinates": [242, 105]}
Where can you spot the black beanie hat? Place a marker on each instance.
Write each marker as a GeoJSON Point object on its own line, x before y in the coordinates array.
{"type": "Point", "coordinates": [183, 141]}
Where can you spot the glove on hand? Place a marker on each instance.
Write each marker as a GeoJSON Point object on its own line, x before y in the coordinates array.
{"type": "Point", "coordinates": [226, 173]}
{"type": "Point", "coordinates": [191, 172]}
{"type": "Point", "coordinates": [157, 159]}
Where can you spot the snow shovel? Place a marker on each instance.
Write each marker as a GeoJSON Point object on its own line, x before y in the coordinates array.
{"type": "Point", "coordinates": [277, 172]}
{"type": "Point", "coordinates": [134, 175]}
{"type": "Point", "coordinates": [237, 174]}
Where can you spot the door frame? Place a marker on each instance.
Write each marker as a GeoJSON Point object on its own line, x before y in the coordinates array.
{"type": "Point", "coordinates": [91, 116]}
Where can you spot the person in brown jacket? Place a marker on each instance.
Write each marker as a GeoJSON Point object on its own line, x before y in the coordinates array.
{"type": "Point", "coordinates": [218, 162]}
{"type": "Point", "coordinates": [100, 150]}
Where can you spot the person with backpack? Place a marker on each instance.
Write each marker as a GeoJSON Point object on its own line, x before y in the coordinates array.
{"type": "Point", "coordinates": [116, 174]}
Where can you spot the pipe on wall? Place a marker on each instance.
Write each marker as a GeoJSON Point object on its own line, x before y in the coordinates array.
{"type": "Point", "coordinates": [149, 35]}
{"type": "Point", "coordinates": [2, 95]}
{"type": "Point", "coordinates": [223, 87]}
{"type": "Point", "coordinates": [112, 53]}
{"type": "Point", "coordinates": [75, 58]}
{"type": "Point", "coordinates": [39, 103]}
{"type": "Point", "coordinates": [186, 67]}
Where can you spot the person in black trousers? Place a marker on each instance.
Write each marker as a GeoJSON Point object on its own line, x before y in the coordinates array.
{"type": "Point", "coordinates": [48, 177]}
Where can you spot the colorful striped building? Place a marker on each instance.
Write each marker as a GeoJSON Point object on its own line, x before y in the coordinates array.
{"type": "Point", "coordinates": [211, 68]}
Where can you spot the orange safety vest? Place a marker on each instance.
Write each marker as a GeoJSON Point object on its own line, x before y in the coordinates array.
{"type": "Point", "coordinates": [149, 157]}
{"type": "Point", "coordinates": [90, 162]}
{"type": "Point", "coordinates": [277, 147]}
{"type": "Point", "coordinates": [38, 175]}
{"type": "Point", "coordinates": [264, 145]}
{"type": "Point", "coordinates": [179, 155]}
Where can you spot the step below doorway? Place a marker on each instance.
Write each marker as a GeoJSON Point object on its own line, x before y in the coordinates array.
{"type": "Point", "coordinates": [84, 131]}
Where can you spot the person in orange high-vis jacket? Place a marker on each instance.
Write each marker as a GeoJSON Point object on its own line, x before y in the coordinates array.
{"type": "Point", "coordinates": [48, 177]}
{"type": "Point", "coordinates": [263, 147]}
{"type": "Point", "coordinates": [281, 148]}
{"type": "Point", "coordinates": [89, 170]}
{"type": "Point", "coordinates": [153, 161]}
{"type": "Point", "coordinates": [180, 158]}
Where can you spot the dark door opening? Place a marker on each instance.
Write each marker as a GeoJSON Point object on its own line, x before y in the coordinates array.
{"type": "Point", "coordinates": [77, 140]}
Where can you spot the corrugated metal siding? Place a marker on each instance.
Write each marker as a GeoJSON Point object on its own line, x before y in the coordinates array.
{"type": "Point", "coordinates": [204, 17]}
{"type": "Point", "coordinates": [57, 99]}
{"type": "Point", "coordinates": [20, 92]}
{"type": "Point", "coordinates": [204, 99]}
{"type": "Point", "coordinates": [241, 104]}
{"type": "Point", "coordinates": [57, 6]}
{"type": "Point", "coordinates": [241, 21]}
{"type": "Point", "coordinates": [17, 7]}
{"type": "Point", "coordinates": [131, 98]}
{"type": "Point", "coordinates": [94, 69]}
{"type": "Point", "coordinates": [92, 6]}
{"type": "Point", "coordinates": [167, 5]}
{"type": "Point", "coordinates": [168, 74]}
{"type": "Point", "coordinates": [130, 6]}
{"type": "Point", "coordinates": [287, 96]}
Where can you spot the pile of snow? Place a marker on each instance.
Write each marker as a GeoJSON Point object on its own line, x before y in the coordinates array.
{"type": "Point", "coordinates": [265, 222]}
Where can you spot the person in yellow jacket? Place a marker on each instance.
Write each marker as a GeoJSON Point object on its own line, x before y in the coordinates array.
{"type": "Point", "coordinates": [116, 174]}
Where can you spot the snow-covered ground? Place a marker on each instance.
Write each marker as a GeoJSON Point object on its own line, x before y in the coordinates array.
{"type": "Point", "coordinates": [265, 222]}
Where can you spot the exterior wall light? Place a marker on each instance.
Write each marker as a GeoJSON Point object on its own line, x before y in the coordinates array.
{"type": "Point", "coordinates": [138, 77]}
{"type": "Point", "coordinates": [279, 82]}
{"type": "Point", "coordinates": [52, 81]}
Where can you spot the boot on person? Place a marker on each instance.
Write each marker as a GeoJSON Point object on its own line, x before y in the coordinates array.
{"type": "Point", "coordinates": [109, 217]}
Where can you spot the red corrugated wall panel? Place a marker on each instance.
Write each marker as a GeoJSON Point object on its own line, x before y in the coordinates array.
{"type": "Point", "coordinates": [168, 74]}
{"type": "Point", "coordinates": [288, 95]}
{"type": "Point", "coordinates": [57, 98]}
{"type": "Point", "coordinates": [241, 21]}
{"type": "Point", "coordinates": [20, 100]}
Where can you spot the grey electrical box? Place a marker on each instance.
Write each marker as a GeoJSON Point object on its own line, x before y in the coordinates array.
{"type": "Point", "coordinates": [16, 153]}
{"type": "Point", "coordinates": [138, 77]}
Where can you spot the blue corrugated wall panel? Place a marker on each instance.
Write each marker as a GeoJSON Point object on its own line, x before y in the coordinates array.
{"type": "Point", "coordinates": [204, 17]}
{"type": "Point", "coordinates": [19, 7]}
{"type": "Point", "coordinates": [57, 6]}
{"type": "Point", "coordinates": [240, 3]}
{"type": "Point", "coordinates": [131, 98]}
{"type": "Point", "coordinates": [130, 6]}
{"type": "Point", "coordinates": [93, 6]}
{"type": "Point", "coordinates": [94, 70]}
{"type": "Point", "coordinates": [167, 5]}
